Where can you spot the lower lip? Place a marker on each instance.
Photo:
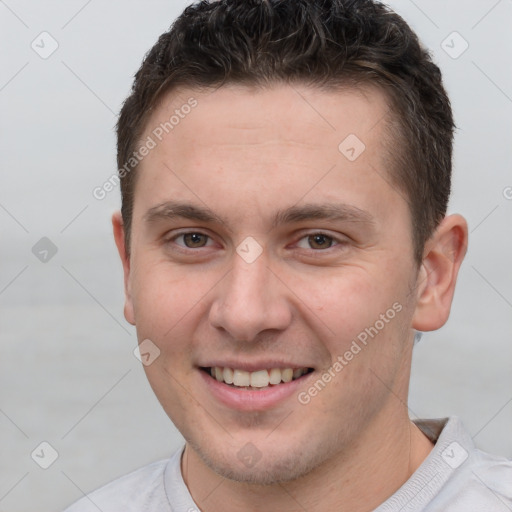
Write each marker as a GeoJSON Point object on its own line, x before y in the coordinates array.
{"type": "Point", "coordinates": [247, 400]}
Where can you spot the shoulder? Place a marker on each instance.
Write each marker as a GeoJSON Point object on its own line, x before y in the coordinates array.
{"type": "Point", "coordinates": [134, 491]}
{"type": "Point", "coordinates": [474, 480]}
{"type": "Point", "coordinates": [455, 477]}
{"type": "Point", "coordinates": [482, 482]}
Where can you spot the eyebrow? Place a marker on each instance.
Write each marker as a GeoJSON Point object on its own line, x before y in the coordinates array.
{"type": "Point", "coordinates": [328, 211]}
{"type": "Point", "coordinates": [171, 210]}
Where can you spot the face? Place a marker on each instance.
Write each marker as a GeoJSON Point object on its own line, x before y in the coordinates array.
{"type": "Point", "coordinates": [266, 246]}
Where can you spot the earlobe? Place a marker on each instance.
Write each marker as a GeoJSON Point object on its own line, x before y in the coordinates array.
{"type": "Point", "coordinates": [119, 237]}
{"type": "Point", "coordinates": [435, 287]}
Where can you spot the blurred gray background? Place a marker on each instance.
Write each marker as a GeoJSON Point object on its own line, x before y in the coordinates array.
{"type": "Point", "coordinates": [67, 371]}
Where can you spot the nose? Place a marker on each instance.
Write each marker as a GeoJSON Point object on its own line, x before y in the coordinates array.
{"type": "Point", "coordinates": [250, 299]}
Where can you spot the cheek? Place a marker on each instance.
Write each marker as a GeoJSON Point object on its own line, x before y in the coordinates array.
{"type": "Point", "coordinates": [160, 299]}
{"type": "Point", "coordinates": [348, 299]}
{"type": "Point", "coordinates": [159, 286]}
{"type": "Point", "coordinates": [169, 303]}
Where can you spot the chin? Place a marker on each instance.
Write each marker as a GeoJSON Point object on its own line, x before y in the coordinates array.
{"type": "Point", "coordinates": [269, 466]}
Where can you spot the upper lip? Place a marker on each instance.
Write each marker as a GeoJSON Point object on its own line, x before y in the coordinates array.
{"type": "Point", "coordinates": [252, 366]}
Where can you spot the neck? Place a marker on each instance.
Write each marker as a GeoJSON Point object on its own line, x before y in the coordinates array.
{"type": "Point", "coordinates": [381, 460]}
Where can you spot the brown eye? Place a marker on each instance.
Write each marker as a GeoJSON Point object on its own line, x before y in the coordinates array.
{"type": "Point", "coordinates": [320, 241]}
{"type": "Point", "coordinates": [194, 240]}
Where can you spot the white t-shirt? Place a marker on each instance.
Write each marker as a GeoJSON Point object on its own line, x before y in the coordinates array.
{"type": "Point", "coordinates": [455, 477]}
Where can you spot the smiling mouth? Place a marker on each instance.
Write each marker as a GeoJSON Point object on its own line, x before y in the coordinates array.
{"type": "Point", "coordinates": [260, 379]}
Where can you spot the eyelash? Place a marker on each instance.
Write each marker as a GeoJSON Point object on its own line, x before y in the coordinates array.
{"type": "Point", "coordinates": [335, 241]}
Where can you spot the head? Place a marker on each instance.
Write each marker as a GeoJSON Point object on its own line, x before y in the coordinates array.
{"type": "Point", "coordinates": [292, 214]}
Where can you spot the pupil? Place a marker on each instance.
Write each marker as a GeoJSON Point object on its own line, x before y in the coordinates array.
{"type": "Point", "coordinates": [320, 241]}
{"type": "Point", "coordinates": [194, 239]}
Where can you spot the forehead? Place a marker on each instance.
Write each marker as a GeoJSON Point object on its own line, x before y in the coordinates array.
{"type": "Point", "coordinates": [295, 112]}
{"type": "Point", "coordinates": [279, 126]}
{"type": "Point", "coordinates": [216, 146]}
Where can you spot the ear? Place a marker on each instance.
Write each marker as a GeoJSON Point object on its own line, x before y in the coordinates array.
{"type": "Point", "coordinates": [119, 237]}
{"type": "Point", "coordinates": [435, 285]}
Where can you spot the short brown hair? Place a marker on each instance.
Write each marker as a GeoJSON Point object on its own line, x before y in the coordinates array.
{"type": "Point", "coordinates": [323, 43]}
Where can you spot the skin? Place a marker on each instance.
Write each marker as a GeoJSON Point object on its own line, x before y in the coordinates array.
{"type": "Point", "coordinates": [247, 154]}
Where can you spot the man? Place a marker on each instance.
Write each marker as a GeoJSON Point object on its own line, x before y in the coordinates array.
{"type": "Point", "coordinates": [285, 172]}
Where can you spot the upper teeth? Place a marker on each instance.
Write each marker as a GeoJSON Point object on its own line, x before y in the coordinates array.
{"type": "Point", "coordinates": [258, 379]}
